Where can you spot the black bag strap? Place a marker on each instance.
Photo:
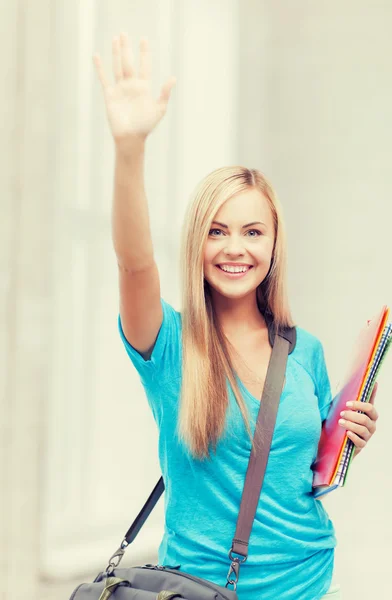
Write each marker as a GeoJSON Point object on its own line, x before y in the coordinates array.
{"type": "Point", "coordinates": [283, 343]}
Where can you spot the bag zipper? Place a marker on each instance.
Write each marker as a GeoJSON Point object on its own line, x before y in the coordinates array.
{"type": "Point", "coordinates": [191, 577]}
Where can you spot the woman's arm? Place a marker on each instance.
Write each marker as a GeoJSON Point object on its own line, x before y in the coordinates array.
{"type": "Point", "coordinates": [130, 216]}
{"type": "Point", "coordinates": [133, 114]}
{"type": "Point", "coordinates": [139, 284]}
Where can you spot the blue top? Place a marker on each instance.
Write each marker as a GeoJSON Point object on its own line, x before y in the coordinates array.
{"type": "Point", "coordinates": [291, 547]}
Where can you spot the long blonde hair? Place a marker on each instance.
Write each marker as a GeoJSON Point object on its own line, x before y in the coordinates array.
{"type": "Point", "coordinates": [206, 362]}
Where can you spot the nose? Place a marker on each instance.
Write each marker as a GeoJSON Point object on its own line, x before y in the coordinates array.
{"type": "Point", "coordinates": [234, 246]}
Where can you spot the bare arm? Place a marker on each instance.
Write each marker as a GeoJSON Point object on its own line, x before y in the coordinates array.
{"type": "Point", "coordinates": [139, 285]}
{"type": "Point", "coordinates": [133, 113]}
{"type": "Point", "coordinates": [130, 216]}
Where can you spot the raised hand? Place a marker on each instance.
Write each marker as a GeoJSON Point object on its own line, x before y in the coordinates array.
{"type": "Point", "coordinates": [131, 109]}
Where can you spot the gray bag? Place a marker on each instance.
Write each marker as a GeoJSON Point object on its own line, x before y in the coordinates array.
{"type": "Point", "coordinates": [157, 582]}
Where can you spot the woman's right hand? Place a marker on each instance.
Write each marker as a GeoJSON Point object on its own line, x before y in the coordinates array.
{"type": "Point", "coordinates": [132, 111]}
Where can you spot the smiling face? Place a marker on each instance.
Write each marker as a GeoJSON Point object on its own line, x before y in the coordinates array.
{"type": "Point", "coordinates": [238, 250]}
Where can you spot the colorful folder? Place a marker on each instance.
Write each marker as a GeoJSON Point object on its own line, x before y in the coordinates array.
{"type": "Point", "coordinates": [335, 450]}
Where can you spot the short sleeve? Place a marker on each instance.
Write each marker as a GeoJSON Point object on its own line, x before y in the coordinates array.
{"type": "Point", "coordinates": [164, 361]}
{"type": "Point", "coordinates": [322, 382]}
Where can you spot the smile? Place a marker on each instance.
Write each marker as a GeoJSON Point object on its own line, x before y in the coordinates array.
{"type": "Point", "coordinates": [234, 272]}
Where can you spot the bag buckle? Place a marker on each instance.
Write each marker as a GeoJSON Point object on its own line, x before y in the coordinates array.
{"type": "Point", "coordinates": [116, 558]}
{"type": "Point", "coordinates": [234, 568]}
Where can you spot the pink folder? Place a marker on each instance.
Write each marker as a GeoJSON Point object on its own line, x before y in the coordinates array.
{"type": "Point", "coordinates": [333, 436]}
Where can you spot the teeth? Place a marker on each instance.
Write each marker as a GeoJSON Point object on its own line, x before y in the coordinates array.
{"type": "Point", "coordinates": [234, 269]}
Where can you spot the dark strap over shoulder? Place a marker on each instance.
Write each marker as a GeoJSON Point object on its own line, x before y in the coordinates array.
{"type": "Point", "coordinates": [262, 439]}
{"type": "Point", "coordinates": [288, 333]}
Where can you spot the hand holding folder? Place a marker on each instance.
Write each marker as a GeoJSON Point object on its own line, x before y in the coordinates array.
{"type": "Point", "coordinates": [335, 451]}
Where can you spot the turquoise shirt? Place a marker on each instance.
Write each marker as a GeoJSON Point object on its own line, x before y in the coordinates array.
{"type": "Point", "coordinates": [291, 547]}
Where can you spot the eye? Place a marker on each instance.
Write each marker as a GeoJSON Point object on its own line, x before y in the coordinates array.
{"type": "Point", "coordinates": [255, 231]}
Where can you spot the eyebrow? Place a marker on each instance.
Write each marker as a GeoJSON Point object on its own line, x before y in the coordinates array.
{"type": "Point", "coordinates": [243, 227]}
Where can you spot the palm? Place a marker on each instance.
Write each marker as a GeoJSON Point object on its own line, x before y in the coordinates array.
{"type": "Point", "coordinates": [130, 106]}
{"type": "Point", "coordinates": [132, 109]}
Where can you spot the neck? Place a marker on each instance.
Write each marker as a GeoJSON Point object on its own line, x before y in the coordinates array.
{"type": "Point", "coordinates": [238, 316]}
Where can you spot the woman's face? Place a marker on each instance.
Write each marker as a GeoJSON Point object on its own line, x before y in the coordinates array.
{"type": "Point", "coordinates": [241, 238]}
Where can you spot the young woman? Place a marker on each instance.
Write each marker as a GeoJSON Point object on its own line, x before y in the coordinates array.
{"type": "Point", "coordinates": [203, 370]}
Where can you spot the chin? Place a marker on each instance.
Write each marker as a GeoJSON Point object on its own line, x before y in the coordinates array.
{"type": "Point", "coordinates": [231, 291]}
{"type": "Point", "coordinates": [236, 295]}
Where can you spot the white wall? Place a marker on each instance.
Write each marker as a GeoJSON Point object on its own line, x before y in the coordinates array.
{"type": "Point", "coordinates": [102, 460]}
{"type": "Point", "coordinates": [301, 92]}
{"type": "Point", "coordinates": [80, 444]}
{"type": "Point", "coordinates": [25, 280]}
{"type": "Point", "coordinates": [315, 117]}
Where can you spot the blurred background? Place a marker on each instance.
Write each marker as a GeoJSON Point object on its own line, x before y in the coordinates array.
{"type": "Point", "coordinates": [300, 90]}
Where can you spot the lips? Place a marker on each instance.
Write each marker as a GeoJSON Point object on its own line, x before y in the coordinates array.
{"type": "Point", "coordinates": [232, 264]}
{"type": "Point", "coordinates": [248, 267]}
{"type": "Point", "coordinates": [235, 275]}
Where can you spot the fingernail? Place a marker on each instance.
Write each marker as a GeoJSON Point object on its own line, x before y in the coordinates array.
{"type": "Point", "coordinates": [341, 421]}
{"type": "Point", "coordinates": [349, 403]}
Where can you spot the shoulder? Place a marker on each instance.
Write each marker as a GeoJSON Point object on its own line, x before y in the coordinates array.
{"type": "Point", "coordinates": [164, 359]}
{"type": "Point", "coordinates": [171, 314]}
{"type": "Point", "coordinates": [169, 337]}
{"type": "Point", "coordinates": [309, 352]}
{"type": "Point", "coordinates": [307, 342]}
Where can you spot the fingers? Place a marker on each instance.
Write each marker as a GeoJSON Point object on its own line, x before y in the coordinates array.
{"type": "Point", "coordinates": [99, 68]}
{"type": "Point", "coordinates": [122, 61]}
{"type": "Point", "coordinates": [123, 64]}
{"type": "Point", "coordinates": [117, 60]}
{"type": "Point", "coordinates": [353, 417]}
{"type": "Point", "coordinates": [127, 56]}
{"type": "Point", "coordinates": [361, 431]}
{"type": "Point", "coordinates": [145, 59]}
{"type": "Point", "coordinates": [365, 407]}
{"type": "Point", "coordinates": [166, 91]}
{"type": "Point", "coordinates": [357, 441]}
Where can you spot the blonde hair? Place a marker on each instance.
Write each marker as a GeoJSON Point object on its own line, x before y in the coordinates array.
{"type": "Point", "coordinates": [206, 362]}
